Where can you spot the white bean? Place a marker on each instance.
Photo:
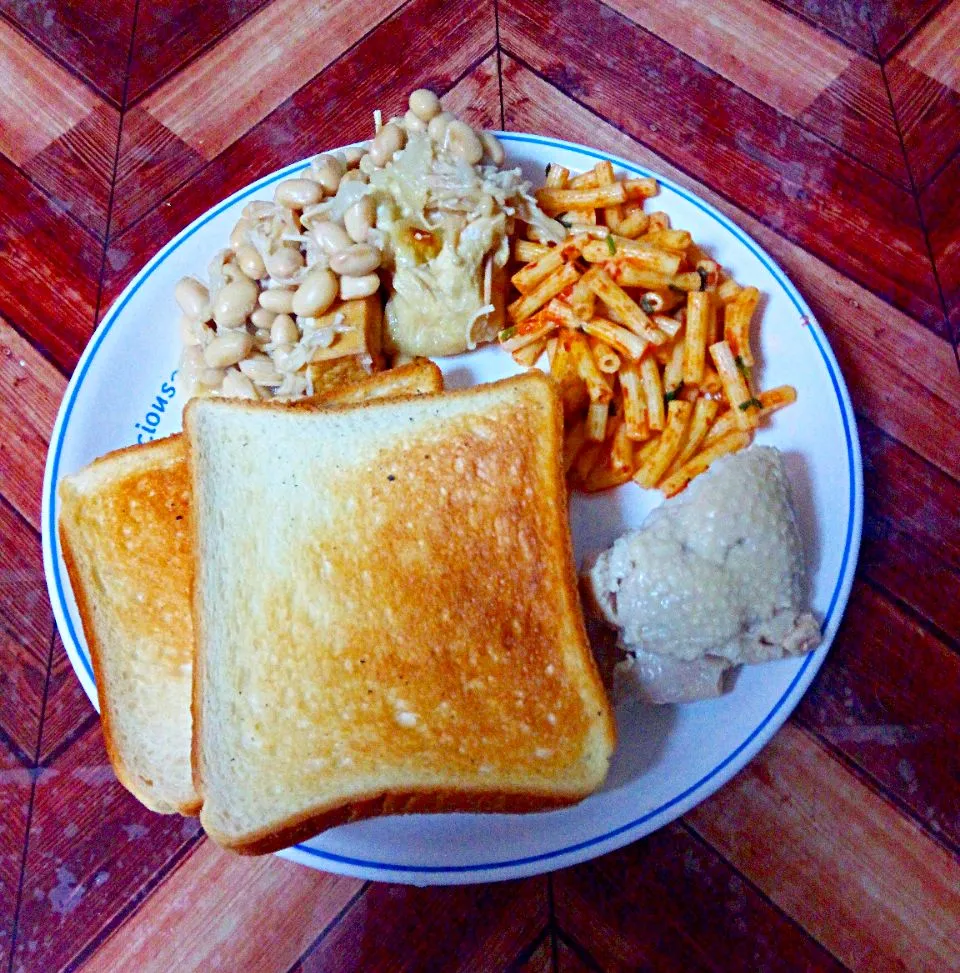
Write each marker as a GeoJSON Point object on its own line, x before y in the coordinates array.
{"type": "Point", "coordinates": [359, 260]}
{"type": "Point", "coordinates": [227, 349]}
{"type": "Point", "coordinates": [260, 370]}
{"type": "Point", "coordinates": [237, 386]}
{"type": "Point", "coordinates": [277, 299]}
{"type": "Point", "coordinates": [211, 378]}
{"type": "Point", "coordinates": [414, 123]}
{"type": "Point", "coordinates": [262, 318]}
{"type": "Point", "coordinates": [355, 175]}
{"type": "Point", "coordinates": [331, 236]}
{"type": "Point", "coordinates": [437, 128]}
{"type": "Point", "coordinates": [391, 138]}
{"type": "Point", "coordinates": [493, 148]}
{"type": "Point", "coordinates": [298, 193]}
{"type": "Point", "coordinates": [191, 365]}
{"type": "Point", "coordinates": [317, 292]}
{"type": "Point", "coordinates": [250, 261]}
{"type": "Point", "coordinates": [257, 209]}
{"type": "Point", "coordinates": [461, 140]}
{"type": "Point", "coordinates": [194, 298]}
{"type": "Point", "coordinates": [238, 235]}
{"type": "Point", "coordinates": [359, 219]}
{"type": "Point", "coordinates": [284, 330]}
{"type": "Point", "coordinates": [284, 262]}
{"type": "Point", "coordinates": [235, 302]}
{"type": "Point", "coordinates": [424, 103]}
{"type": "Point", "coordinates": [328, 170]}
{"type": "Point", "coordinates": [194, 332]}
{"type": "Point", "coordinates": [354, 287]}
{"type": "Point", "coordinates": [353, 155]}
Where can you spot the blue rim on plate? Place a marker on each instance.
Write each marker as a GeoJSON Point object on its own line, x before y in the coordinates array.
{"type": "Point", "coordinates": [716, 776]}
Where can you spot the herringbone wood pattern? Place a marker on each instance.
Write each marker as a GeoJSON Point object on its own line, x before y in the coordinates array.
{"type": "Point", "coordinates": [830, 132]}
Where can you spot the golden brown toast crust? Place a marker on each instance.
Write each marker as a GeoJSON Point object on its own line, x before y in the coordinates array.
{"type": "Point", "coordinates": [408, 802]}
{"type": "Point", "coordinates": [169, 486]}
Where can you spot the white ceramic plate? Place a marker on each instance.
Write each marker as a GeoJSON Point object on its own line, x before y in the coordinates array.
{"type": "Point", "coordinates": [669, 758]}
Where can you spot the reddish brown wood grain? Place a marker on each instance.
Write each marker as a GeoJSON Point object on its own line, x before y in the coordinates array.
{"type": "Point", "coordinates": [867, 882]}
{"type": "Point", "coordinates": [90, 39]}
{"type": "Point", "coordinates": [476, 928]}
{"type": "Point", "coordinates": [218, 98]}
{"type": "Point", "coordinates": [171, 33]}
{"type": "Point", "coordinates": [152, 162]}
{"type": "Point", "coordinates": [93, 850]}
{"type": "Point", "coordinates": [67, 712]}
{"type": "Point", "coordinates": [638, 908]}
{"type": "Point", "coordinates": [894, 21]}
{"type": "Point", "coordinates": [911, 532]}
{"type": "Point", "coordinates": [769, 165]}
{"type": "Point", "coordinates": [846, 19]}
{"type": "Point", "coordinates": [25, 634]}
{"type": "Point", "coordinates": [886, 699]}
{"type": "Point", "coordinates": [854, 114]}
{"type": "Point", "coordinates": [928, 114]}
{"type": "Point", "coordinates": [77, 168]}
{"type": "Point", "coordinates": [51, 267]}
{"type": "Point", "coordinates": [941, 210]}
{"type": "Point", "coordinates": [217, 909]}
{"type": "Point", "coordinates": [814, 79]}
{"type": "Point", "coordinates": [16, 782]}
{"type": "Point", "coordinates": [30, 393]}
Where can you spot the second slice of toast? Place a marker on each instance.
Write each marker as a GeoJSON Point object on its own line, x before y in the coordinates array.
{"type": "Point", "coordinates": [386, 614]}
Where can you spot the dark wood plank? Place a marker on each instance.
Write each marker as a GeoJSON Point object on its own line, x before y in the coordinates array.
{"type": "Point", "coordinates": [854, 114]}
{"type": "Point", "coordinates": [77, 168]}
{"type": "Point", "coordinates": [217, 910]}
{"type": "Point", "coordinates": [911, 531]}
{"type": "Point", "coordinates": [790, 179]}
{"type": "Point", "coordinates": [572, 959]}
{"type": "Point", "coordinates": [51, 266]}
{"type": "Point", "coordinates": [846, 19]}
{"type": "Point", "coordinates": [396, 927]}
{"type": "Point", "coordinates": [669, 902]}
{"type": "Point", "coordinates": [893, 21]}
{"type": "Point", "coordinates": [93, 851]}
{"type": "Point", "coordinates": [539, 961]}
{"type": "Point", "coordinates": [172, 32]}
{"type": "Point", "coordinates": [332, 110]}
{"type": "Point", "coordinates": [67, 713]}
{"type": "Point", "coordinates": [900, 375]}
{"type": "Point", "coordinates": [15, 785]}
{"type": "Point", "coordinates": [152, 162]}
{"type": "Point", "coordinates": [928, 113]}
{"type": "Point", "coordinates": [218, 98]}
{"type": "Point", "coordinates": [940, 203]}
{"type": "Point", "coordinates": [816, 80]}
{"type": "Point", "coordinates": [26, 627]}
{"type": "Point", "coordinates": [862, 878]}
{"type": "Point", "coordinates": [91, 39]}
{"type": "Point", "coordinates": [886, 699]}
{"type": "Point", "coordinates": [30, 393]}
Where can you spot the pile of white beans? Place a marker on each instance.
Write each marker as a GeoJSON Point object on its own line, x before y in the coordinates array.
{"type": "Point", "coordinates": [253, 331]}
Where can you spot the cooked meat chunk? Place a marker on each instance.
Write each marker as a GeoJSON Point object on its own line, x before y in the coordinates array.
{"type": "Point", "coordinates": [715, 573]}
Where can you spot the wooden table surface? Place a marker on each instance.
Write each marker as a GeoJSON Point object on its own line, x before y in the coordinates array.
{"type": "Point", "coordinates": [830, 132]}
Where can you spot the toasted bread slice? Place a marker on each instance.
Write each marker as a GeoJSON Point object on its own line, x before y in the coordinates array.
{"type": "Point", "coordinates": [386, 614]}
{"type": "Point", "coordinates": [123, 531]}
{"type": "Point", "coordinates": [128, 550]}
